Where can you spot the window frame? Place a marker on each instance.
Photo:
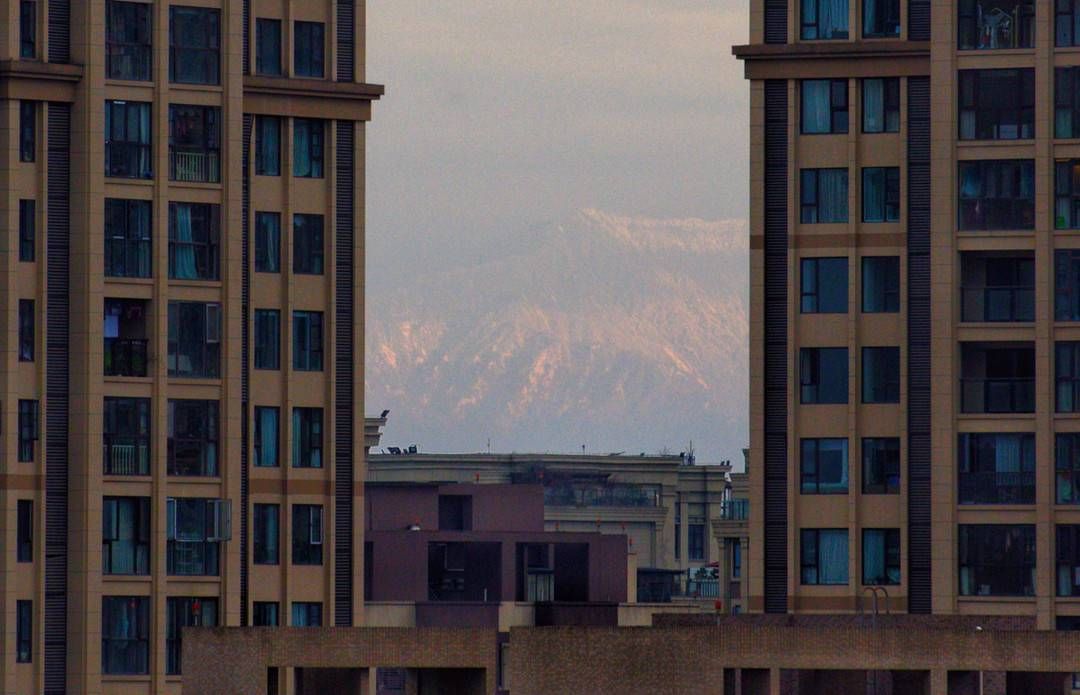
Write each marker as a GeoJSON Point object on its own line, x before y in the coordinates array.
{"type": "Point", "coordinates": [24, 531]}
{"type": "Point", "coordinates": [309, 341]}
{"type": "Point", "coordinates": [263, 61]}
{"type": "Point", "coordinates": [890, 557]}
{"type": "Point", "coordinates": [811, 450]}
{"type": "Point", "coordinates": [119, 44]}
{"type": "Point", "coordinates": [877, 453]}
{"type": "Point", "coordinates": [309, 49]}
{"type": "Point", "coordinates": [308, 445]}
{"type": "Point", "coordinates": [138, 633]}
{"type": "Point", "coordinates": [262, 540]}
{"type": "Point", "coordinates": [29, 429]}
{"type": "Point", "coordinates": [134, 241]}
{"type": "Point", "coordinates": [267, 242]}
{"type": "Point", "coordinates": [810, 203]}
{"type": "Point", "coordinates": [267, 142]}
{"type": "Point", "coordinates": [890, 202]}
{"type": "Point", "coordinates": [810, 375]}
{"type": "Point", "coordinates": [967, 27]}
{"type": "Point", "coordinates": [24, 631]}
{"type": "Point", "coordinates": [204, 356]}
{"type": "Point", "coordinates": [309, 244]}
{"type": "Point", "coordinates": [204, 245]}
{"type": "Point", "coordinates": [27, 230]}
{"type": "Point", "coordinates": [27, 131]}
{"type": "Point", "coordinates": [184, 54]}
{"type": "Point", "coordinates": [886, 18]}
{"type": "Point", "coordinates": [259, 611]}
{"type": "Point", "coordinates": [873, 392]}
{"type": "Point", "coordinates": [119, 413]}
{"type": "Point", "coordinates": [27, 330]}
{"type": "Point", "coordinates": [839, 106]}
{"type": "Point", "coordinates": [806, 565]}
{"type": "Point", "coordinates": [205, 540]}
{"type": "Point", "coordinates": [181, 612]}
{"type": "Point", "coordinates": [203, 416]}
{"type": "Point", "coordinates": [1027, 533]}
{"type": "Point", "coordinates": [812, 277]}
{"type": "Point", "coordinates": [810, 28]}
{"type": "Point", "coordinates": [1022, 207]}
{"type": "Point", "coordinates": [266, 331]}
{"type": "Point", "coordinates": [889, 293]}
{"type": "Point", "coordinates": [890, 105]}
{"type": "Point", "coordinates": [990, 109]}
{"type": "Point", "coordinates": [136, 156]}
{"type": "Point", "coordinates": [27, 29]}
{"type": "Point", "coordinates": [315, 129]}
{"type": "Point", "coordinates": [258, 448]}
{"type": "Point", "coordinates": [112, 543]}
{"type": "Point", "coordinates": [307, 534]}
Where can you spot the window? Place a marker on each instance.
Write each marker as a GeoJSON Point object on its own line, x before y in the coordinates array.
{"type": "Point", "coordinates": [126, 435]}
{"type": "Point", "coordinates": [824, 286]}
{"type": "Point", "coordinates": [678, 526]}
{"type": "Point", "coordinates": [881, 19]}
{"type": "Point", "coordinates": [308, 341]}
{"type": "Point", "coordinates": [181, 613]}
{"type": "Point", "coordinates": [997, 469]}
{"type": "Point", "coordinates": [1067, 285]}
{"type": "Point", "coordinates": [27, 230]}
{"type": "Point", "coordinates": [824, 467]}
{"type": "Point", "coordinates": [26, 330]}
{"type": "Point", "coordinates": [24, 631]}
{"type": "Point", "coordinates": [823, 375]}
{"type": "Point", "coordinates": [265, 614]}
{"type": "Point", "coordinates": [996, 24]}
{"type": "Point", "coordinates": [824, 106]}
{"type": "Point", "coordinates": [824, 556]}
{"type": "Point", "coordinates": [880, 284]}
{"type": "Point", "coordinates": [267, 242]}
{"type": "Point", "coordinates": [1067, 102]}
{"type": "Point", "coordinates": [308, 244]}
{"type": "Point", "coordinates": [881, 375]}
{"type": "Point", "coordinates": [193, 438]}
{"type": "Point", "coordinates": [267, 146]}
{"type": "Point", "coordinates": [997, 104]}
{"type": "Point", "coordinates": [194, 143]}
{"type": "Point", "coordinates": [267, 46]}
{"type": "Point", "coordinates": [881, 194]}
{"type": "Point", "coordinates": [307, 534]}
{"type": "Point", "coordinates": [997, 560]}
{"type": "Point", "coordinates": [25, 531]}
{"type": "Point", "coordinates": [194, 339]}
{"type": "Point", "coordinates": [997, 286]}
{"type": "Point", "coordinates": [997, 195]}
{"type": "Point", "coordinates": [696, 544]}
{"type": "Point", "coordinates": [125, 535]}
{"type": "Point", "coordinates": [266, 534]}
{"type": "Point", "coordinates": [1067, 467]}
{"type": "Point", "coordinates": [881, 466]}
{"type": "Point", "coordinates": [128, 40]}
{"type": "Point", "coordinates": [1067, 194]}
{"type": "Point", "coordinates": [455, 512]}
{"type": "Point", "coordinates": [194, 531]}
{"type": "Point", "coordinates": [267, 339]}
{"type": "Point", "coordinates": [307, 438]}
{"type": "Point", "coordinates": [194, 45]}
{"type": "Point", "coordinates": [881, 105]}
{"type": "Point", "coordinates": [309, 49]}
{"type": "Point", "coordinates": [127, 238]}
{"type": "Point", "coordinates": [308, 148]}
{"type": "Point", "coordinates": [881, 556]}
{"type": "Point", "coordinates": [824, 19]}
{"type": "Point", "coordinates": [27, 131]}
{"type": "Point", "coordinates": [194, 241]}
{"type": "Point", "coordinates": [125, 635]}
{"type": "Point", "coordinates": [823, 196]}
{"type": "Point", "coordinates": [1068, 560]}
{"type": "Point", "coordinates": [1067, 376]}
{"type": "Point", "coordinates": [306, 614]}
{"type": "Point", "coordinates": [1067, 23]}
{"type": "Point", "coordinates": [127, 140]}
{"type": "Point", "coordinates": [997, 378]}
{"type": "Point", "coordinates": [267, 436]}
{"type": "Point", "coordinates": [29, 429]}
{"type": "Point", "coordinates": [28, 29]}
{"type": "Point", "coordinates": [736, 557]}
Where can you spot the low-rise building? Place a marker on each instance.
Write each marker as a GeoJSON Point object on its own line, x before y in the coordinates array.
{"type": "Point", "coordinates": [685, 523]}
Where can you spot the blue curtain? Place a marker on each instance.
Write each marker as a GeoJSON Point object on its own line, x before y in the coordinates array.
{"type": "Point", "coordinates": [874, 105]}
{"type": "Point", "coordinates": [873, 194]}
{"type": "Point", "coordinates": [816, 111]}
{"type": "Point", "coordinates": [184, 266]}
{"type": "Point", "coordinates": [296, 436]}
{"type": "Point", "coordinates": [144, 139]}
{"type": "Point", "coordinates": [833, 557]}
{"type": "Point", "coordinates": [268, 436]}
{"type": "Point", "coordinates": [832, 465]}
{"type": "Point", "coordinates": [874, 557]}
{"type": "Point", "coordinates": [833, 19]}
{"type": "Point", "coordinates": [301, 148]}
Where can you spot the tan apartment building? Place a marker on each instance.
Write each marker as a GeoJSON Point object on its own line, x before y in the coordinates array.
{"type": "Point", "coordinates": [915, 179]}
{"type": "Point", "coordinates": [182, 285]}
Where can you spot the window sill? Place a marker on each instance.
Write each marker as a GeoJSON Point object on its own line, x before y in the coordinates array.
{"type": "Point", "coordinates": [143, 678]}
{"type": "Point", "coordinates": [124, 280]}
{"type": "Point", "coordinates": [973, 417]}
{"type": "Point", "coordinates": [1019, 51]}
{"type": "Point", "coordinates": [125, 578]}
{"type": "Point", "coordinates": [195, 185]}
{"type": "Point", "coordinates": [193, 579]}
{"type": "Point", "coordinates": [114, 478]}
{"type": "Point", "coordinates": [118, 82]}
{"type": "Point", "coordinates": [127, 379]}
{"type": "Point", "coordinates": [195, 87]}
{"type": "Point", "coordinates": [1018, 142]}
{"type": "Point", "coordinates": [995, 599]}
{"type": "Point", "coordinates": [194, 479]}
{"type": "Point", "coordinates": [997, 508]}
{"type": "Point", "coordinates": [195, 381]}
{"type": "Point", "coordinates": [130, 180]}
{"type": "Point", "coordinates": [187, 282]}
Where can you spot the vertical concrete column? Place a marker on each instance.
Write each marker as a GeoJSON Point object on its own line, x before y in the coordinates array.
{"type": "Point", "coordinates": [939, 683]}
{"type": "Point", "coordinates": [774, 681]}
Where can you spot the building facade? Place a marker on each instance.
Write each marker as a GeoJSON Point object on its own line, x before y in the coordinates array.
{"type": "Point", "coordinates": [686, 523]}
{"type": "Point", "coordinates": [913, 321]}
{"type": "Point", "coordinates": [183, 292]}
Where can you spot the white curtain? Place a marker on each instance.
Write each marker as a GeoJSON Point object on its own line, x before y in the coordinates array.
{"type": "Point", "coordinates": [833, 557]}
{"type": "Point", "coordinates": [833, 195]}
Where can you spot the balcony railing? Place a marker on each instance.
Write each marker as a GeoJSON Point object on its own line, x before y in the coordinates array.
{"type": "Point", "coordinates": [1014, 395]}
{"type": "Point", "coordinates": [995, 487]}
{"type": "Point", "coordinates": [990, 304]}
{"type": "Point", "coordinates": [735, 510]}
{"type": "Point", "coordinates": [194, 166]}
{"type": "Point", "coordinates": [126, 455]}
{"type": "Point", "coordinates": [125, 357]}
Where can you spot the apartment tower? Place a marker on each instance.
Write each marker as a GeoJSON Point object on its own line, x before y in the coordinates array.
{"type": "Point", "coordinates": [915, 306]}
{"type": "Point", "coordinates": [181, 295]}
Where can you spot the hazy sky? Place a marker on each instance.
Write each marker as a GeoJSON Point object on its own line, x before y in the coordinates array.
{"type": "Point", "coordinates": [501, 115]}
{"type": "Point", "coordinates": [504, 117]}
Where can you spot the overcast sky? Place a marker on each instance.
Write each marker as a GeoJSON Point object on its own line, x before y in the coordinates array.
{"type": "Point", "coordinates": [501, 115]}
{"type": "Point", "coordinates": [505, 117]}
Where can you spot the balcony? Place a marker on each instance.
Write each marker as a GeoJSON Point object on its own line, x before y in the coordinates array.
{"type": "Point", "coordinates": [997, 378]}
{"type": "Point", "coordinates": [735, 510]}
{"type": "Point", "coordinates": [997, 288]}
{"type": "Point", "coordinates": [194, 166]}
{"type": "Point", "coordinates": [124, 455]}
{"type": "Point", "coordinates": [996, 24]}
{"type": "Point", "coordinates": [126, 357]}
{"type": "Point", "coordinates": [996, 487]}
